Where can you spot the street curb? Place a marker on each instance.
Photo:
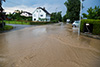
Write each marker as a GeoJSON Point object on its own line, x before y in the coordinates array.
{"type": "Point", "coordinates": [91, 35]}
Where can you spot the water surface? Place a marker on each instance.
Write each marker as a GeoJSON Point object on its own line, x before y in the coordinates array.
{"type": "Point", "coordinates": [48, 46]}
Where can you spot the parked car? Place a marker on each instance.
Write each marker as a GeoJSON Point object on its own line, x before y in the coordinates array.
{"type": "Point", "coordinates": [75, 24]}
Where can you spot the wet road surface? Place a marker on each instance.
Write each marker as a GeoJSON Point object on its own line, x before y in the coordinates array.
{"type": "Point", "coordinates": [48, 46]}
{"type": "Point", "coordinates": [18, 26]}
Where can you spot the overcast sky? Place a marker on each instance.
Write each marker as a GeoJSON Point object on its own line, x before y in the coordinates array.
{"type": "Point", "coordinates": [31, 5]}
{"type": "Point", "coordinates": [50, 5]}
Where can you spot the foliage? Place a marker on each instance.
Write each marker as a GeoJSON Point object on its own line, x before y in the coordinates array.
{"type": "Point", "coordinates": [56, 17]}
{"type": "Point", "coordinates": [93, 13]}
{"type": "Point", "coordinates": [64, 18]}
{"type": "Point", "coordinates": [96, 25]}
{"type": "Point", "coordinates": [18, 22]}
{"type": "Point", "coordinates": [17, 16]}
{"type": "Point", "coordinates": [6, 28]}
{"type": "Point", "coordinates": [73, 9]}
{"type": "Point", "coordinates": [27, 22]}
{"type": "Point", "coordinates": [84, 15]}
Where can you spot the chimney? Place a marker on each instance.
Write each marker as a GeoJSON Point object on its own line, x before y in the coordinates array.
{"type": "Point", "coordinates": [44, 8]}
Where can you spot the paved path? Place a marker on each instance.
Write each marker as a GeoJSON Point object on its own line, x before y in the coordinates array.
{"type": "Point", "coordinates": [48, 46]}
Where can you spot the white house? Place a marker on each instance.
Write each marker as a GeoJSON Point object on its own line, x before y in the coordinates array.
{"type": "Point", "coordinates": [41, 14]}
{"type": "Point", "coordinates": [26, 14]}
{"type": "Point", "coordinates": [23, 13]}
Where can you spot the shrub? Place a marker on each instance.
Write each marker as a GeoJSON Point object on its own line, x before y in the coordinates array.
{"type": "Point", "coordinates": [28, 22]}
{"type": "Point", "coordinates": [96, 25]}
{"type": "Point", "coordinates": [6, 28]}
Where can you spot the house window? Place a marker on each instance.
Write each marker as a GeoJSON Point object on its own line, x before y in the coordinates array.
{"type": "Point", "coordinates": [41, 15]}
{"type": "Point", "coordinates": [34, 19]}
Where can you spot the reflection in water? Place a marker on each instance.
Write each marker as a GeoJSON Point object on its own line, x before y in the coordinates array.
{"type": "Point", "coordinates": [48, 46]}
{"type": "Point", "coordinates": [39, 31]}
{"type": "Point", "coordinates": [75, 29]}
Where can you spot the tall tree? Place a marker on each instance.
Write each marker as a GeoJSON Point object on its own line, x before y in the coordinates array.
{"type": "Point", "coordinates": [93, 13]}
{"type": "Point", "coordinates": [56, 17]}
{"type": "Point", "coordinates": [1, 9]}
{"type": "Point", "coordinates": [73, 9]}
{"type": "Point", "coordinates": [1, 14]}
{"type": "Point", "coordinates": [59, 16]}
{"type": "Point", "coordinates": [64, 18]}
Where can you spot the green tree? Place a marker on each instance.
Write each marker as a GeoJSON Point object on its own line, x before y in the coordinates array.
{"type": "Point", "coordinates": [59, 16]}
{"type": "Point", "coordinates": [2, 15]}
{"type": "Point", "coordinates": [73, 9]}
{"type": "Point", "coordinates": [64, 18]}
{"type": "Point", "coordinates": [1, 9]}
{"type": "Point", "coordinates": [53, 17]}
{"type": "Point", "coordinates": [93, 13]}
{"type": "Point", "coordinates": [84, 15]}
{"type": "Point", "coordinates": [56, 17]}
{"type": "Point", "coordinates": [17, 16]}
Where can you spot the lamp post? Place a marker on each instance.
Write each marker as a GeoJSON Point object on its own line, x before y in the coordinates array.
{"type": "Point", "coordinates": [80, 17]}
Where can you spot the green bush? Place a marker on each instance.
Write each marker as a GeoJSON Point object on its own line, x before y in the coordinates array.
{"type": "Point", "coordinates": [18, 22]}
{"type": "Point", "coordinates": [28, 22]}
{"type": "Point", "coordinates": [6, 28]}
{"type": "Point", "coordinates": [96, 25]}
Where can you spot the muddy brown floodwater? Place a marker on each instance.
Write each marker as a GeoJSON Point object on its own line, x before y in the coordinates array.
{"type": "Point", "coordinates": [48, 46]}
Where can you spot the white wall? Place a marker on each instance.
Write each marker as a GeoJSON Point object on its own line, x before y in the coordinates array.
{"type": "Point", "coordinates": [39, 13]}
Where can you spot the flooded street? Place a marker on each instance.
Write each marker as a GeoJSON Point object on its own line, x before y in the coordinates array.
{"type": "Point", "coordinates": [18, 26]}
{"type": "Point", "coordinates": [48, 46]}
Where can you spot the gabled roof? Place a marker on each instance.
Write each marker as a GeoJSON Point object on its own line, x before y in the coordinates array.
{"type": "Point", "coordinates": [27, 12]}
{"type": "Point", "coordinates": [44, 10]}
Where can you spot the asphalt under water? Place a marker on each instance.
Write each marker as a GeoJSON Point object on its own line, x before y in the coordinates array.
{"type": "Point", "coordinates": [48, 46]}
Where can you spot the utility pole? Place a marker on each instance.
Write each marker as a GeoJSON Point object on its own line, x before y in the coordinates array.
{"type": "Point", "coordinates": [80, 16]}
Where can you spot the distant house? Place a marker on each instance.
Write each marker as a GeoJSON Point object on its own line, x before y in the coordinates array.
{"type": "Point", "coordinates": [26, 14]}
{"type": "Point", "coordinates": [23, 13]}
{"type": "Point", "coordinates": [41, 14]}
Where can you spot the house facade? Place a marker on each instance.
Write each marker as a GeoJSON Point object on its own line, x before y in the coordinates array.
{"type": "Point", "coordinates": [40, 14]}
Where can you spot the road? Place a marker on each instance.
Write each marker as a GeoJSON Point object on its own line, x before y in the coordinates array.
{"type": "Point", "coordinates": [18, 26]}
{"type": "Point", "coordinates": [48, 46]}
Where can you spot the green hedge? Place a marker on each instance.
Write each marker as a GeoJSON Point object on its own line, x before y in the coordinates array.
{"type": "Point", "coordinates": [6, 28]}
{"type": "Point", "coordinates": [18, 22]}
{"type": "Point", "coordinates": [96, 25]}
{"type": "Point", "coordinates": [28, 22]}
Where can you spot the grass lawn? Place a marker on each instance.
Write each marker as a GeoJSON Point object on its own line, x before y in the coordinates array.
{"type": "Point", "coordinates": [18, 22]}
{"type": "Point", "coordinates": [6, 28]}
{"type": "Point", "coordinates": [27, 22]}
